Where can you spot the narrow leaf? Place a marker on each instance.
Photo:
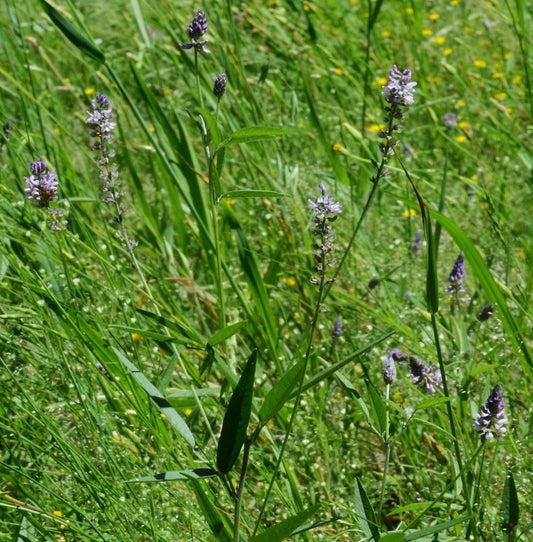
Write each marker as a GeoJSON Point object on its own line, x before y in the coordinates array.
{"type": "Point", "coordinates": [158, 399]}
{"type": "Point", "coordinates": [72, 33]}
{"type": "Point", "coordinates": [281, 392]}
{"type": "Point", "coordinates": [253, 194]}
{"type": "Point", "coordinates": [378, 406]}
{"type": "Point", "coordinates": [236, 419]}
{"type": "Point", "coordinates": [177, 475]}
{"type": "Point", "coordinates": [435, 528]}
{"type": "Point", "coordinates": [285, 528]}
{"type": "Point", "coordinates": [365, 513]}
{"type": "Point", "coordinates": [432, 288]}
{"type": "Point", "coordinates": [253, 134]}
{"type": "Point", "coordinates": [225, 333]}
{"type": "Point", "coordinates": [509, 508]}
{"type": "Point", "coordinates": [393, 537]}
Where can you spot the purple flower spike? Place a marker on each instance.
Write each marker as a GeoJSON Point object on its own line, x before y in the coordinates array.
{"type": "Point", "coordinates": [398, 89]}
{"type": "Point", "coordinates": [491, 421]}
{"type": "Point", "coordinates": [326, 211]}
{"type": "Point", "coordinates": [389, 367]}
{"type": "Point", "coordinates": [426, 378]}
{"type": "Point", "coordinates": [42, 185]}
{"type": "Point", "coordinates": [457, 276]}
{"type": "Point", "coordinates": [196, 30]}
{"type": "Point", "coordinates": [221, 83]}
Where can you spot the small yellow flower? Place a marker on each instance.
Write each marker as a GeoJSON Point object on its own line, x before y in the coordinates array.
{"type": "Point", "coordinates": [338, 71]}
{"type": "Point", "coordinates": [427, 32]}
{"type": "Point", "coordinates": [57, 131]}
{"type": "Point", "coordinates": [468, 29]}
{"type": "Point", "coordinates": [497, 65]}
{"type": "Point", "coordinates": [409, 213]}
{"type": "Point", "coordinates": [521, 254]}
{"type": "Point", "coordinates": [454, 2]}
{"type": "Point", "coordinates": [377, 127]}
{"type": "Point", "coordinates": [337, 147]}
{"type": "Point", "coordinates": [506, 56]}
{"type": "Point", "coordinates": [136, 337]}
{"type": "Point", "coordinates": [479, 63]}
{"type": "Point", "coordinates": [58, 513]}
{"type": "Point", "coordinates": [89, 91]}
{"type": "Point", "coordinates": [474, 178]}
{"type": "Point", "coordinates": [461, 138]}
{"type": "Point", "coordinates": [188, 411]}
{"type": "Point", "coordinates": [448, 51]}
{"type": "Point", "coordinates": [439, 40]}
{"type": "Point", "coordinates": [289, 281]}
{"type": "Point", "coordinates": [163, 417]}
{"type": "Point", "coordinates": [386, 34]}
{"type": "Point", "coordinates": [433, 16]}
{"type": "Point", "coordinates": [517, 79]}
{"type": "Point", "coordinates": [409, 11]}
{"type": "Point", "coordinates": [461, 103]}
{"type": "Point", "coordinates": [151, 128]}
{"type": "Point", "coordinates": [464, 125]}
{"type": "Point", "coordinates": [509, 109]}
{"type": "Point", "coordinates": [167, 92]}
{"type": "Point", "coordinates": [306, 7]}
{"type": "Point", "coordinates": [436, 79]}
{"type": "Point", "coordinates": [498, 75]}
{"type": "Point", "coordinates": [383, 81]}
{"type": "Point", "coordinates": [500, 96]}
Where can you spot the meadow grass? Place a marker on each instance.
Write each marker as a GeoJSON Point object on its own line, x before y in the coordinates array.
{"type": "Point", "coordinates": [189, 360]}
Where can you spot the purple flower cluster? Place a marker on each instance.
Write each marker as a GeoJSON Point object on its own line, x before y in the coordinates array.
{"type": "Point", "coordinates": [457, 276]}
{"type": "Point", "coordinates": [399, 90]}
{"type": "Point", "coordinates": [42, 187]}
{"type": "Point", "coordinates": [196, 29]}
{"type": "Point", "coordinates": [424, 375]}
{"type": "Point", "coordinates": [491, 421]}
{"type": "Point", "coordinates": [336, 332]}
{"type": "Point", "coordinates": [326, 211]}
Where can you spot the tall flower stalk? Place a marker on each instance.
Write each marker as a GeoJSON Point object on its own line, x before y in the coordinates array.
{"type": "Point", "coordinates": [325, 213]}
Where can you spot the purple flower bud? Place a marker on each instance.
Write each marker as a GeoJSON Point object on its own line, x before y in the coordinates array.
{"type": "Point", "coordinates": [417, 243]}
{"type": "Point", "coordinates": [450, 120]}
{"type": "Point", "coordinates": [457, 276]}
{"type": "Point", "coordinates": [389, 367]}
{"type": "Point", "coordinates": [220, 85]}
{"type": "Point", "coordinates": [336, 332]}
{"type": "Point", "coordinates": [491, 421]}
{"type": "Point", "coordinates": [196, 30]}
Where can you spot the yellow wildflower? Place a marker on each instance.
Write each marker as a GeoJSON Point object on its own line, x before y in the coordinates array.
{"type": "Point", "coordinates": [480, 63]}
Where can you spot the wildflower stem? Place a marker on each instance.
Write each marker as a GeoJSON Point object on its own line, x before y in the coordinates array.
{"type": "Point", "coordinates": [388, 446]}
{"type": "Point", "coordinates": [307, 355]}
{"type": "Point", "coordinates": [197, 71]}
{"type": "Point", "coordinates": [240, 489]}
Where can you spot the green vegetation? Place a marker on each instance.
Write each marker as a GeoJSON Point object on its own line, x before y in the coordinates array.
{"type": "Point", "coordinates": [196, 343]}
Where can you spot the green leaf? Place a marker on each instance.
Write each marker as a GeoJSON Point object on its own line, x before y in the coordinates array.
{"type": "Point", "coordinates": [236, 419]}
{"type": "Point", "coordinates": [72, 33]}
{"type": "Point", "coordinates": [218, 523]}
{"type": "Point", "coordinates": [253, 134]}
{"type": "Point", "coordinates": [435, 529]}
{"type": "Point", "coordinates": [253, 194]}
{"type": "Point", "coordinates": [225, 333]}
{"type": "Point", "coordinates": [177, 475]}
{"type": "Point", "coordinates": [378, 406]}
{"type": "Point", "coordinates": [393, 537]}
{"type": "Point", "coordinates": [365, 513]}
{"type": "Point", "coordinates": [353, 391]}
{"type": "Point", "coordinates": [432, 287]}
{"type": "Point", "coordinates": [281, 392]}
{"type": "Point", "coordinates": [432, 402]}
{"type": "Point", "coordinates": [509, 508]}
{"type": "Point", "coordinates": [181, 328]}
{"type": "Point", "coordinates": [158, 399]}
{"type": "Point", "coordinates": [212, 126]}
{"type": "Point", "coordinates": [285, 528]}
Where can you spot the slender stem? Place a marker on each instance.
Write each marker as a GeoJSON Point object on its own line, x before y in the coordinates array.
{"type": "Point", "coordinates": [296, 400]}
{"type": "Point", "coordinates": [451, 418]}
{"type": "Point", "coordinates": [388, 447]}
{"type": "Point", "coordinates": [240, 489]}
{"type": "Point", "coordinates": [198, 87]}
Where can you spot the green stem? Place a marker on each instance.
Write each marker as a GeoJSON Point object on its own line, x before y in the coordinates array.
{"type": "Point", "coordinates": [240, 489]}
{"type": "Point", "coordinates": [388, 447]}
{"type": "Point", "coordinates": [312, 329]}
{"type": "Point", "coordinates": [198, 87]}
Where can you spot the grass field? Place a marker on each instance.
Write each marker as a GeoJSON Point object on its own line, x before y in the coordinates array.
{"type": "Point", "coordinates": [290, 302]}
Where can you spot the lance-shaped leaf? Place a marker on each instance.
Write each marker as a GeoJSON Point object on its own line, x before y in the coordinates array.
{"type": "Point", "coordinates": [158, 399]}
{"type": "Point", "coordinates": [177, 475]}
{"type": "Point", "coordinates": [236, 419]}
{"type": "Point", "coordinates": [281, 392]}
{"type": "Point", "coordinates": [509, 507]}
{"type": "Point", "coordinates": [284, 529]}
{"type": "Point", "coordinates": [82, 42]}
{"type": "Point", "coordinates": [365, 513]}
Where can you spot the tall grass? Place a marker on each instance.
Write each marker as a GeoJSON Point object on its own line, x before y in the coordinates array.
{"type": "Point", "coordinates": [190, 387]}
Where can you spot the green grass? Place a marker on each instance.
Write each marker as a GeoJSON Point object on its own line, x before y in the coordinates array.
{"type": "Point", "coordinates": [117, 365]}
